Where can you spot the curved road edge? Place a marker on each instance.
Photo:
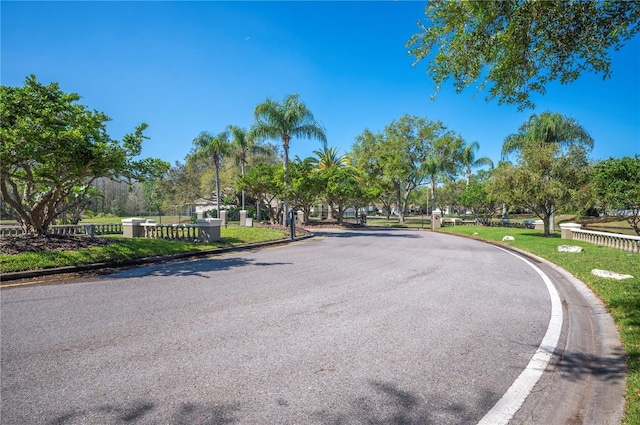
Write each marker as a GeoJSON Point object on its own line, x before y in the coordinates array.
{"type": "Point", "coordinates": [504, 410]}
{"type": "Point", "coordinates": [585, 381]}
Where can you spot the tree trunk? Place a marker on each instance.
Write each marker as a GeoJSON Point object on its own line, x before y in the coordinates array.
{"type": "Point", "coordinates": [546, 220]}
{"type": "Point", "coordinates": [399, 204]}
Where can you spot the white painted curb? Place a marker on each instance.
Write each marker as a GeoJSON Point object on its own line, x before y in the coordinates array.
{"type": "Point", "coordinates": [512, 400]}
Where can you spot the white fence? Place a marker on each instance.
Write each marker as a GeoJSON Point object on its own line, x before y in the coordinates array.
{"type": "Point", "coordinates": [610, 240]}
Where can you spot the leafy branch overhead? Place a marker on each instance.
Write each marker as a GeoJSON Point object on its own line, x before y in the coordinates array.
{"type": "Point", "coordinates": [516, 48]}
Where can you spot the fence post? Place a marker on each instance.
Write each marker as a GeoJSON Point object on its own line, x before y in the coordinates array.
{"type": "Point", "coordinates": [131, 227]}
{"type": "Point", "coordinates": [209, 229]}
{"type": "Point", "coordinates": [566, 230]}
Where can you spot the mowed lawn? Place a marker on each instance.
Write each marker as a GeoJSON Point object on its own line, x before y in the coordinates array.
{"type": "Point", "coordinates": [129, 249]}
{"type": "Point", "coordinates": [622, 297]}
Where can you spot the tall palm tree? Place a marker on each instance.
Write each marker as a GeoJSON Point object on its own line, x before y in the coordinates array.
{"type": "Point", "coordinates": [545, 130]}
{"type": "Point", "coordinates": [243, 144]}
{"type": "Point", "coordinates": [286, 120]}
{"type": "Point", "coordinates": [215, 148]}
{"type": "Point", "coordinates": [431, 168]}
{"type": "Point", "coordinates": [469, 161]}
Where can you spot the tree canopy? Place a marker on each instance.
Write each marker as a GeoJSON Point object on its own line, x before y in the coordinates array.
{"type": "Point", "coordinates": [52, 148]}
{"type": "Point", "coordinates": [400, 156]}
{"type": "Point", "coordinates": [552, 167]}
{"type": "Point", "coordinates": [617, 184]}
{"type": "Point", "coordinates": [517, 47]}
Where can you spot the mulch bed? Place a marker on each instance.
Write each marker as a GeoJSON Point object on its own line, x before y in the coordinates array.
{"type": "Point", "coordinates": [13, 245]}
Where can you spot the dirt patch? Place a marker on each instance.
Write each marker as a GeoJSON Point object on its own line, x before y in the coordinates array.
{"type": "Point", "coordinates": [13, 245]}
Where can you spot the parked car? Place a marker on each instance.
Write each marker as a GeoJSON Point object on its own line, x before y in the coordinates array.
{"type": "Point", "coordinates": [529, 224]}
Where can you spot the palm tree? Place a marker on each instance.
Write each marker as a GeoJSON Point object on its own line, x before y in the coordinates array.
{"type": "Point", "coordinates": [325, 159]}
{"type": "Point", "coordinates": [545, 130]}
{"type": "Point", "coordinates": [216, 148]}
{"type": "Point", "coordinates": [243, 144]}
{"type": "Point", "coordinates": [430, 168]}
{"type": "Point", "coordinates": [284, 121]}
{"type": "Point", "coordinates": [328, 157]}
{"type": "Point", "coordinates": [469, 161]}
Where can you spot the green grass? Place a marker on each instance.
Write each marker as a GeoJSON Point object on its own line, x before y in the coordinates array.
{"type": "Point", "coordinates": [127, 249]}
{"type": "Point", "coordinates": [622, 298]}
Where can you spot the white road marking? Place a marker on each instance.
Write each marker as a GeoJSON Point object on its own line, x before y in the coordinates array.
{"type": "Point", "coordinates": [512, 400]}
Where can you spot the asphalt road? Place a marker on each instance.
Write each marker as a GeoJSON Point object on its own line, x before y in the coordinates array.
{"type": "Point", "coordinates": [371, 327]}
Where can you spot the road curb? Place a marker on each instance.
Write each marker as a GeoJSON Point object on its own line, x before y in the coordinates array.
{"type": "Point", "coordinates": [30, 274]}
{"type": "Point", "coordinates": [607, 404]}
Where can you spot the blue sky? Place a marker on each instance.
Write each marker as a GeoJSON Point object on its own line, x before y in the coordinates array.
{"type": "Point", "coordinates": [186, 67]}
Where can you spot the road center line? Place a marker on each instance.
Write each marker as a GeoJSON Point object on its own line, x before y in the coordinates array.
{"type": "Point", "coordinates": [512, 400]}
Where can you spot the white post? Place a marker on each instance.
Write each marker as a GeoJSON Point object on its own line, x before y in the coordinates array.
{"type": "Point", "coordinates": [131, 227]}
{"type": "Point", "coordinates": [223, 216]}
{"type": "Point", "coordinates": [209, 229]}
{"type": "Point", "coordinates": [566, 230]}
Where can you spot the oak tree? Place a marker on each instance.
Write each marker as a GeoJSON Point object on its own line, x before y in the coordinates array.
{"type": "Point", "coordinates": [517, 47]}
{"type": "Point", "coordinates": [52, 148]}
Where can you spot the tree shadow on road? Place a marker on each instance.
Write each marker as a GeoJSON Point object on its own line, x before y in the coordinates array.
{"type": "Point", "coordinates": [386, 404]}
{"type": "Point", "coordinates": [392, 405]}
{"type": "Point", "coordinates": [576, 366]}
{"type": "Point", "coordinates": [198, 267]}
{"type": "Point", "coordinates": [141, 410]}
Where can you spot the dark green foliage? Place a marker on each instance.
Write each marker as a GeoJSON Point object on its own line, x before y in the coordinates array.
{"type": "Point", "coordinates": [616, 183]}
{"type": "Point", "coordinates": [518, 47]}
{"type": "Point", "coordinates": [53, 148]}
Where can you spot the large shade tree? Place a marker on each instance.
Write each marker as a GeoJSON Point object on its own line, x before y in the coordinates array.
{"type": "Point", "coordinates": [552, 167]}
{"type": "Point", "coordinates": [53, 148]}
{"type": "Point", "coordinates": [284, 121]}
{"type": "Point", "coordinates": [398, 154]}
{"type": "Point", "coordinates": [443, 162]}
{"type": "Point", "coordinates": [305, 186]}
{"type": "Point", "coordinates": [617, 184]}
{"type": "Point", "coordinates": [364, 157]}
{"type": "Point", "coordinates": [264, 183]}
{"type": "Point", "coordinates": [517, 48]}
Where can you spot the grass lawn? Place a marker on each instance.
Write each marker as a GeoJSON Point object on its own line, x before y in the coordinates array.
{"type": "Point", "coordinates": [128, 249]}
{"type": "Point", "coordinates": [622, 298]}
